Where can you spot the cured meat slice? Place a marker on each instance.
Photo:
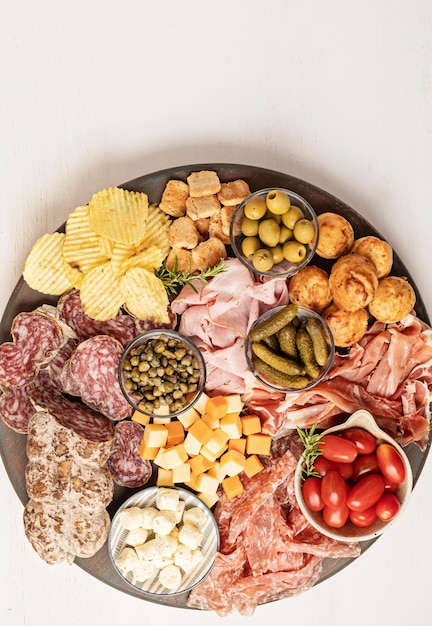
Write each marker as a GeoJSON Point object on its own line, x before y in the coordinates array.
{"type": "Point", "coordinates": [94, 366]}
{"type": "Point", "coordinates": [122, 327]}
{"type": "Point", "coordinates": [37, 338]}
{"type": "Point", "coordinates": [126, 465]}
{"type": "Point", "coordinates": [57, 364]}
{"type": "Point", "coordinates": [16, 408]}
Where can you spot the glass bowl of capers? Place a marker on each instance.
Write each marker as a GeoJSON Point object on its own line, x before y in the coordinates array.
{"type": "Point", "coordinates": [274, 232]}
{"type": "Point", "coordinates": [162, 373]}
{"type": "Point", "coordinates": [290, 349]}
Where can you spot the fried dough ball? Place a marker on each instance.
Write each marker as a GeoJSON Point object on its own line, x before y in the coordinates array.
{"type": "Point", "coordinates": [336, 236]}
{"type": "Point", "coordinates": [353, 282]}
{"type": "Point", "coordinates": [378, 251]}
{"type": "Point", "coordinates": [310, 288]}
{"type": "Point", "coordinates": [394, 300]}
{"type": "Point", "coordinates": [347, 327]}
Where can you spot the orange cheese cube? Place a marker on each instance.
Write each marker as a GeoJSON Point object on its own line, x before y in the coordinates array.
{"type": "Point", "coordinates": [231, 424]}
{"type": "Point", "coordinates": [237, 444]}
{"type": "Point", "coordinates": [188, 417]}
{"type": "Point", "coordinates": [141, 418]}
{"type": "Point", "coordinates": [155, 435]}
{"type": "Point", "coordinates": [201, 431]}
{"type": "Point", "coordinates": [164, 478]}
{"type": "Point", "coordinates": [199, 464]}
{"type": "Point", "coordinates": [210, 421]}
{"type": "Point", "coordinates": [174, 456]}
{"type": "Point", "coordinates": [216, 471]}
{"type": "Point", "coordinates": [232, 486]}
{"type": "Point", "coordinates": [207, 483]}
{"type": "Point", "coordinates": [209, 499]}
{"type": "Point", "coordinates": [251, 424]}
{"type": "Point", "coordinates": [181, 473]}
{"type": "Point", "coordinates": [252, 466]}
{"type": "Point", "coordinates": [192, 482]}
{"type": "Point", "coordinates": [176, 433]}
{"type": "Point", "coordinates": [258, 444]}
{"type": "Point", "coordinates": [146, 453]}
{"type": "Point", "coordinates": [232, 462]}
{"type": "Point", "coordinates": [216, 407]}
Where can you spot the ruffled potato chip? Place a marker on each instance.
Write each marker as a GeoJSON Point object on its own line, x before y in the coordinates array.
{"type": "Point", "coordinates": [156, 232]}
{"type": "Point", "coordinates": [149, 259]}
{"type": "Point", "coordinates": [145, 295]}
{"type": "Point", "coordinates": [43, 268]}
{"type": "Point", "coordinates": [100, 293]}
{"type": "Point", "coordinates": [82, 246]}
{"type": "Point", "coordinates": [75, 276]}
{"type": "Point", "coordinates": [120, 253]}
{"type": "Point", "coordinates": [119, 214]}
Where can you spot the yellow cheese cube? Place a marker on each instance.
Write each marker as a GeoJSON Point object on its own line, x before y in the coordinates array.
{"type": "Point", "coordinates": [207, 483]}
{"type": "Point", "coordinates": [201, 431]}
{"type": "Point", "coordinates": [217, 441]}
{"type": "Point", "coordinates": [159, 459]}
{"type": "Point", "coordinates": [141, 418]}
{"type": "Point", "coordinates": [160, 416]}
{"type": "Point", "coordinates": [181, 473]}
{"type": "Point", "coordinates": [188, 417]}
{"type": "Point", "coordinates": [146, 453]}
{"type": "Point", "coordinates": [232, 486]}
{"type": "Point", "coordinates": [210, 456]}
{"type": "Point", "coordinates": [176, 433]}
{"type": "Point", "coordinates": [209, 499]}
{"type": "Point", "coordinates": [232, 462]}
{"type": "Point", "coordinates": [199, 464]}
{"type": "Point", "coordinates": [251, 424]}
{"type": "Point", "coordinates": [155, 435]}
{"type": "Point", "coordinates": [210, 421]}
{"type": "Point", "coordinates": [164, 478]}
{"type": "Point", "coordinates": [237, 444]}
{"type": "Point", "coordinates": [216, 471]}
{"type": "Point", "coordinates": [175, 456]}
{"type": "Point", "coordinates": [192, 445]}
{"type": "Point", "coordinates": [235, 403]}
{"type": "Point", "coordinates": [231, 424]}
{"type": "Point", "coordinates": [200, 404]}
{"type": "Point", "coordinates": [216, 407]}
{"type": "Point", "coordinates": [258, 444]}
{"type": "Point", "coordinates": [252, 466]}
{"type": "Point", "coordinates": [192, 482]}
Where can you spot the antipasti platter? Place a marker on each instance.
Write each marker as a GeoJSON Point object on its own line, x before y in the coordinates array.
{"type": "Point", "coordinates": [100, 564]}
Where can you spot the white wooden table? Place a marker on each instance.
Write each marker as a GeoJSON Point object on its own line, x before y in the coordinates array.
{"type": "Point", "coordinates": [339, 94]}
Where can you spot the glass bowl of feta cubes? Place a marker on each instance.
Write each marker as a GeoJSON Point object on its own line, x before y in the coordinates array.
{"type": "Point", "coordinates": [163, 540]}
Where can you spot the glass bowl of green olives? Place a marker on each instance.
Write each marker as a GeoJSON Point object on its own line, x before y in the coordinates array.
{"type": "Point", "coordinates": [162, 373]}
{"type": "Point", "coordinates": [290, 349]}
{"type": "Point", "coordinates": [274, 232]}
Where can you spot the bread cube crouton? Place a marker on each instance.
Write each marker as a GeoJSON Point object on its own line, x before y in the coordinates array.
{"type": "Point", "coordinates": [183, 233]}
{"type": "Point", "coordinates": [216, 228]}
{"type": "Point", "coordinates": [205, 206]}
{"type": "Point", "coordinates": [226, 214]}
{"type": "Point", "coordinates": [234, 192]}
{"type": "Point", "coordinates": [203, 183]}
{"type": "Point", "coordinates": [203, 226]}
{"type": "Point", "coordinates": [208, 253]}
{"type": "Point", "coordinates": [174, 198]}
{"type": "Point", "coordinates": [180, 259]}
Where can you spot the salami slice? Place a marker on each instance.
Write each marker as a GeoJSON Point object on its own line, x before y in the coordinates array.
{"type": "Point", "coordinates": [36, 340]}
{"type": "Point", "coordinates": [126, 465]}
{"type": "Point", "coordinates": [94, 366]}
{"type": "Point", "coordinates": [122, 327]}
{"type": "Point", "coordinates": [57, 364]}
{"type": "Point", "coordinates": [16, 408]}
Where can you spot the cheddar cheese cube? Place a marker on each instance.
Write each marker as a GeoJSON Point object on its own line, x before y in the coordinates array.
{"type": "Point", "coordinates": [232, 462]}
{"type": "Point", "coordinates": [232, 486]}
{"type": "Point", "coordinates": [176, 433]}
{"type": "Point", "coordinates": [201, 431]}
{"type": "Point", "coordinates": [164, 478]}
{"type": "Point", "coordinates": [209, 499]}
{"type": "Point", "coordinates": [181, 473]}
{"type": "Point", "coordinates": [188, 417]}
{"type": "Point", "coordinates": [216, 407]}
{"type": "Point", "coordinates": [210, 421]}
{"type": "Point", "coordinates": [258, 444]}
{"type": "Point", "coordinates": [192, 445]}
{"type": "Point", "coordinates": [200, 404]}
{"type": "Point", "coordinates": [207, 483]}
{"type": "Point", "coordinates": [231, 424]}
{"type": "Point", "coordinates": [155, 435]}
{"type": "Point", "coordinates": [174, 456]}
{"type": "Point", "coordinates": [251, 424]}
{"type": "Point", "coordinates": [159, 459]}
{"type": "Point", "coordinates": [235, 403]}
{"type": "Point", "coordinates": [141, 418]}
{"type": "Point", "coordinates": [199, 464]}
{"type": "Point", "coordinates": [146, 453]}
{"type": "Point", "coordinates": [217, 441]}
{"type": "Point", "coordinates": [237, 444]}
{"type": "Point", "coordinates": [252, 466]}
{"type": "Point", "coordinates": [192, 482]}
{"type": "Point", "coordinates": [217, 471]}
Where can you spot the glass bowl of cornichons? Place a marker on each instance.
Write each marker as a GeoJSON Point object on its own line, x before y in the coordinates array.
{"type": "Point", "coordinates": [290, 348]}
{"type": "Point", "coordinates": [162, 373]}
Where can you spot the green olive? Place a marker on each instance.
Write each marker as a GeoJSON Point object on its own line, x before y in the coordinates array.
{"type": "Point", "coordinates": [272, 216]}
{"type": "Point", "coordinates": [277, 254]}
{"type": "Point", "coordinates": [304, 231]}
{"type": "Point", "coordinates": [250, 245]}
{"type": "Point", "coordinates": [294, 251]}
{"type": "Point", "coordinates": [292, 216]}
{"type": "Point", "coordinates": [249, 227]}
{"type": "Point", "coordinates": [255, 208]}
{"type": "Point", "coordinates": [262, 260]}
{"type": "Point", "coordinates": [269, 232]}
{"type": "Point", "coordinates": [278, 202]}
{"type": "Point", "coordinates": [285, 234]}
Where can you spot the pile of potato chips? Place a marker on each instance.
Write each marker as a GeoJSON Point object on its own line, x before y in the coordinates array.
{"type": "Point", "coordinates": [109, 251]}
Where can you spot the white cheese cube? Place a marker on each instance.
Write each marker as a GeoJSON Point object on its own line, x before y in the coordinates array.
{"type": "Point", "coordinates": [166, 545]}
{"type": "Point", "coordinates": [179, 512]}
{"type": "Point", "coordinates": [190, 536]}
{"type": "Point", "coordinates": [131, 517]}
{"type": "Point", "coordinates": [183, 558]}
{"type": "Point", "coordinates": [148, 514]}
{"type": "Point", "coordinates": [195, 516]}
{"type": "Point", "coordinates": [170, 577]}
{"type": "Point", "coordinates": [136, 536]}
{"type": "Point", "coordinates": [164, 522]}
{"type": "Point", "coordinates": [162, 561]}
{"type": "Point", "coordinates": [167, 499]}
{"type": "Point", "coordinates": [144, 570]}
{"type": "Point", "coordinates": [147, 551]}
{"type": "Point", "coordinates": [127, 560]}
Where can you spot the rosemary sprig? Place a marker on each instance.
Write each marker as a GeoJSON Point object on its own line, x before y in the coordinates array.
{"type": "Point", "coordinates": [310, 440]}
{"type": "Point", "coordinates": [174, 279]}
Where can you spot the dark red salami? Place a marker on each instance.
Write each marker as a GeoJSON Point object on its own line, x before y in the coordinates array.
{"type": "Point", "coordinates": [122, 327]}
{"type": "Point", "coordinates": [94, 366]}
{"type": "Point", "coordinates": [57, 364]}
{"type": "Point", "coordinates": [16, 408]}
{"type": "Point", "coordinates": [36, 340]}
{"type": "Point", "coordinates": [126, 465]}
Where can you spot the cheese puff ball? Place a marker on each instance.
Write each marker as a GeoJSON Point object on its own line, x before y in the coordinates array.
{"type": "Point", "coordinates": [378, 251]}
{"type": "Point", "coordinates": [394, 300]}
{"type": "Point", "coordinates": [336, 236]}
{"type": "Point", "coordinates": [353, 282]}
{"type": "Point", "coordinates": [347, 327]}
{"type": "Point", "coordinates": [310, 288]}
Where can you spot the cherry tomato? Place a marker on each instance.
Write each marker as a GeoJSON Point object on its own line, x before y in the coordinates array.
{"type": "Point", "coordinates": [323, 465]}
{"type": "Point", "coordinates": [387, 507]}
{"type": "Point", "coordinates": [365, 493]}
{"type": "Point", "coordinates": [336, 518]}
{"type": "Point", "coordinates": [389, 487]}
{"type": "Point", "coordinates": [337, 449]}
{"type": "Point", "coordinates": [365, 442]}
{"type": "Point", "coordinates": [363, 518]}
{"type": "Point", "coordinates": [390, 463]}
{"type": "Point", "coordinates": [363, 465]}
{"type": "Point", "coordinates": [333, 489]}
{"type": "Point", "coordinates": [311, 491]}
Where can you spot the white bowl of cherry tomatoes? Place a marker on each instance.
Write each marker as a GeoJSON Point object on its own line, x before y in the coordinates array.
{"type": "Point", "coordinates": [353, 480]}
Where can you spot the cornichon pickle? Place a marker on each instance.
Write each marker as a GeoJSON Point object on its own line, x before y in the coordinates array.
{"type": "Point", "coordinates": [278, 377]}
{"type": "Point", "coordinates": [319, 342]}
{"type": "Point", "coordinates": [306, 352]}
{"type": "Point", "coordinates": [272, 342]}
{"type": "Point", "coordinates": [287, 340]}
{"type": "Point", "coordinates": [278, 362]}
{"type": "Point", "coordinates": [274, 323]}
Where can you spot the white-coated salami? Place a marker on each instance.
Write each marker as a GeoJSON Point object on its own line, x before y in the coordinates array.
{"type": "Point", "coordinates": [126, 465]}
{"type": "Point", "coordinates": [94, 366]}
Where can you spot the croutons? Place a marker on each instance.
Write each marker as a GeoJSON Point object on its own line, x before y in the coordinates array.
{"type": "Point", "coordinates": [208, 253]}
{"type": "Point", "coordinates": [233, 193]}
{"type": "Point", "coordinates": [183, 233]}
{"type": "Point", "coordinates": [174, 198]}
